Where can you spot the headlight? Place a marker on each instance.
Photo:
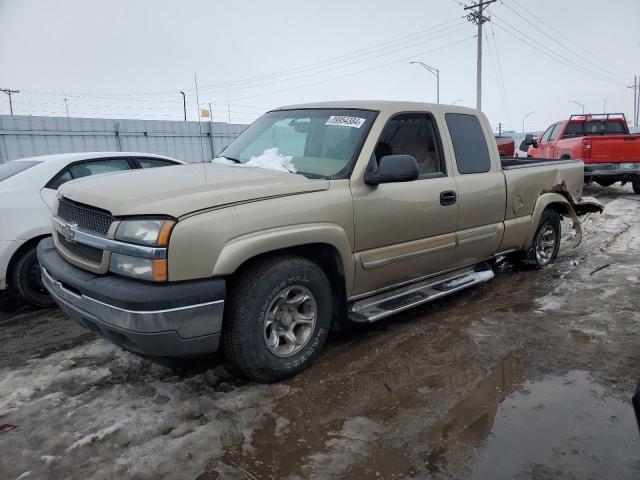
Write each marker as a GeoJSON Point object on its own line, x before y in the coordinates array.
{"type": "Point", "coordinates": [154, 270]}
{"type": "Point", "coordinates": [153, 232]}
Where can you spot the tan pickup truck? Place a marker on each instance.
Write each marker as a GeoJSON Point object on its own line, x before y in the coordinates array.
{"type": "Point", "coordinates": [316, 215]}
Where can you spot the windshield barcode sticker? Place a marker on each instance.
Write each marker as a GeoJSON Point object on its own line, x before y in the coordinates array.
{"type": "Point", "coordinates": [343, 121]}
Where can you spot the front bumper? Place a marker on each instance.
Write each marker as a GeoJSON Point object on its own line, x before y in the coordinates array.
{"type": "Point", "coordinates": [168, 320]}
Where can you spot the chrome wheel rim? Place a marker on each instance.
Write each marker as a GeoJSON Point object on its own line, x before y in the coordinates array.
{"type": "Point", "coordinates": [546, 245]}
{"type": "Point", "coordinates": [290, 321]}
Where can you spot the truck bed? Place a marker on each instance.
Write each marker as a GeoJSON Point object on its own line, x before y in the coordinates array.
{"type": "Point", "coordinates": [510, 163]}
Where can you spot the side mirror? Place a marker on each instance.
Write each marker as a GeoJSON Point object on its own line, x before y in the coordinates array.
{"type": "Point", "coordinates": [393, 168]}
{"type": "Point", "coordinates": [529, 139]}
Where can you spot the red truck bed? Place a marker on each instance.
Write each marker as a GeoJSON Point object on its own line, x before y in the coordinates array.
{"type": "Point", "coordinates": [603, 142]}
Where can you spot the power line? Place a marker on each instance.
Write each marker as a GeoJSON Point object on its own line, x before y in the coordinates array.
{"type": "Point", "coordinates": [501, 73]}
{"type": "Point", "coordinates": [501, 93]}
{"type": "Point", "coordinates": [563, 45]}
{"type": "Point", "coordinates": [314, 65]}
{"type": "Point", "coordinates": [566, 38]}
{"type": "Point", "coordinates": [404, 59]}
{"type": "Point", "coordinates": [339, 67]}
{"type": "Point", "coordinates": [553, 55]}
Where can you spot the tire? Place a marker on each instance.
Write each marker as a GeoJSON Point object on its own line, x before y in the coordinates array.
{"type": "Point", "coordinates": [266, 303]}
{"type": "Point", "coordinates": [26, 280]}
{"type": "Point", "coordinates": [636, 185]}
{"type": "Point", "coordinates": [542, 252]}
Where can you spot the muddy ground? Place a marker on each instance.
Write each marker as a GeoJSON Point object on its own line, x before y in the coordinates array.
{"type": "Point", "coordinates": [528, 376]}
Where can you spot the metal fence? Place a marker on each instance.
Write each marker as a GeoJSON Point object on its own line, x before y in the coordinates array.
{"type": "Point", "coordinates": [25, 136]}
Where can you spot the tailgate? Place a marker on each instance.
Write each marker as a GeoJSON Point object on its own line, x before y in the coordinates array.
{"type": "Point", "coordinates": [612, 149]}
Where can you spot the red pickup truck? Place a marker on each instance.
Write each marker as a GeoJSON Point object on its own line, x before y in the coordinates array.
{"type": "Point", "coordinates": [603, 142]}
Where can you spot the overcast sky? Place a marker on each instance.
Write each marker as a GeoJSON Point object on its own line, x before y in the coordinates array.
{"type": "Point", "coordinates": [129, 59]}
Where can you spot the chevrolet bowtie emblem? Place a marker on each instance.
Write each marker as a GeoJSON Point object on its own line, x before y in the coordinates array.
{"type": "Point", "coordinates": [68, 231]}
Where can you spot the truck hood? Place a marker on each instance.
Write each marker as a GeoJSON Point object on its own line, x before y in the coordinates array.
{"type": "Point", "coordinates": [184, 189]}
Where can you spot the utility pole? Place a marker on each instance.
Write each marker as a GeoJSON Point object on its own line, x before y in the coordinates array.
{"type": "Point", "coordinates": [9, 92]}
{"type": "Point", "coordinates": [434, 71]}
{"type": "Point", "coordinates": [184, 105]}
{"type": "Point", "coordinates": [210, 114]}
{"type": "Point", "coordinates": [476, 16]}
{"type": "Point", "coordinates": [499, 129]}
{"type": "Point", "coordinates": [635, 100]}
{"type": "Point", "coordinates": [66, 106]}
{"type": "Point", "coordinates": [604, 106]}
{"type": "Point", "coordinates": [228, 111]}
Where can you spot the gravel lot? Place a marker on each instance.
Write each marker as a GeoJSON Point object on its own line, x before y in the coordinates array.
{"type": "Point", "coordinates": [528, 376]}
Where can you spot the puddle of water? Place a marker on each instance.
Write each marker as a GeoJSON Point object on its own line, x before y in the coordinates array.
{"type": "Point", "coordinates": [565, 426]}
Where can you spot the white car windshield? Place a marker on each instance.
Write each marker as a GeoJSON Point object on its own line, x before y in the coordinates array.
{"type": "Point", "coordinates": [10, 169]}
{"type": "Point", "coordinates": [316, 143]}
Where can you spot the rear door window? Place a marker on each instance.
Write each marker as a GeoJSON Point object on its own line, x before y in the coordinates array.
{"type": "Point", "coordinates": [153, 163]}
{"type": "Point", "coordinates": [469, 143]}
{"type": "Point", "coordinates": [97, 167]}
{"type": "Point", "coordinates": [86, 169]}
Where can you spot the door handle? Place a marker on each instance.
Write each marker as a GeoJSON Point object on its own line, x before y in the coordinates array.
{"type": "Point", "coordinates": [448, 198]}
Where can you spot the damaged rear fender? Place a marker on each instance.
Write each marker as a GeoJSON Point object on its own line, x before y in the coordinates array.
{"type": "Point", "coordinates": [564, 205]}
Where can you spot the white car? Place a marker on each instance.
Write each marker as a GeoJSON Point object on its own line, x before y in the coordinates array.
{"type": "Point", "coordinates": [28, 187]}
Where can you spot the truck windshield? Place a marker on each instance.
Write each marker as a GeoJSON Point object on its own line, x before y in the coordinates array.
{"type": "Point", "coordinates": [10, 169]}
{"type": "Point", "coordinates": [316, 143]}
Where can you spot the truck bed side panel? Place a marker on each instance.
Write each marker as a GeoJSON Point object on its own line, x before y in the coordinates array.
{"type": "Point", "coordinates": [524, 187]}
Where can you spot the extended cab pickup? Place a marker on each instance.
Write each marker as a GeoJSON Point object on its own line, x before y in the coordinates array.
{"type": "Point", "coordinates": [316, 215]}
{"type": "Point", "coordinates": [603, 142]}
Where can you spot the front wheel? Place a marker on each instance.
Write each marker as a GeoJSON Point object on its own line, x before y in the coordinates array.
{"type": "Point", "coordinates": [27, 281]}
{"type": "Point", "coordinates": [546, 241]}
{"type": "Point", "coordinates": [278, 318]}
{"type": "Point", "coordinates": [636, 186]}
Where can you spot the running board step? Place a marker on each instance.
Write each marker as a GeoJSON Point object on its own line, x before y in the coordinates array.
{"type": "Point", "coordinates": [388, 303]}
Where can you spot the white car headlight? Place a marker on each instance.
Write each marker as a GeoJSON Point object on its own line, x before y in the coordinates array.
{"type": "Point", "coordinates": [145, 231]}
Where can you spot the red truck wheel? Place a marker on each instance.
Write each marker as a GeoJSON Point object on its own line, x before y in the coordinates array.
{"type": "Point", "coordinates": [636, 186]}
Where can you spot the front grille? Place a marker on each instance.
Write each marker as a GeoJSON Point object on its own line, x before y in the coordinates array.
{"type": "Point", "coordinates": [88, 218]}
{"type": "Point", "coordinates": [86, 252]}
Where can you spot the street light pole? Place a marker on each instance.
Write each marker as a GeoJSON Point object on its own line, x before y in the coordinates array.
{"type": "Point", "coordinates": [184, 105]}
{"type": "Point", "coordinates": [524, 118]}
{"type": "Point", "coordinates": [435, 72]}
{"type": "Point", "coordinates": [66, 106]}
{"type": "Point", "coordinates": [604, 104]}
{"type": "Point", "coordinates": [579, 104]}
{"type": "Point", "coordinates": [456, 101]}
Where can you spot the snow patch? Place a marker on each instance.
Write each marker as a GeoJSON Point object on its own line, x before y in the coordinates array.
{"type": "Point", "coordinates": [132, 418]}
{"type": "Point", "coordinates": [270, 159]}
{"type": "Point", "coordinates": [550, 302]}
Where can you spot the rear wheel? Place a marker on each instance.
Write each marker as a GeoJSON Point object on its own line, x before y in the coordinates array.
{"type": "Point", "coordinates": [26, 279]}
{"type": "Point", "coordinates": [636, 185]}
{"type": "Point", "coordinates": [278, 318]}
{"type": "Point", "coordinates": [546, 241]}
